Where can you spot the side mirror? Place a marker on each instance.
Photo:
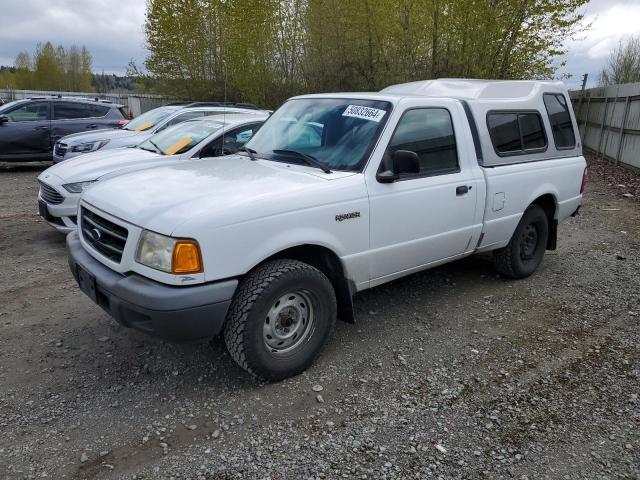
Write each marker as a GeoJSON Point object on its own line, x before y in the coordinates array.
{"type": "Point", "coordinates": [402, 162]}
{"type": "Point", "coordinates": [4, 119]}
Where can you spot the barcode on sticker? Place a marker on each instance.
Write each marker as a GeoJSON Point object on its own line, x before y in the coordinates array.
{"type": "Point", "coordinates": [366, 113]}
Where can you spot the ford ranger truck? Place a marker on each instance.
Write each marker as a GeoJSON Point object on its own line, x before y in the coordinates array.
{"type": "Point", "coordinates": [335, 194]}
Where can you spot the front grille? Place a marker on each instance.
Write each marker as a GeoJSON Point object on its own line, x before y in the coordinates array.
{"type": "Point", "coordinates": [61, 149]}
{"type": "Point", "coordinates": [50, 194]}
{"type": "Point", "coordinates": [103, 235]}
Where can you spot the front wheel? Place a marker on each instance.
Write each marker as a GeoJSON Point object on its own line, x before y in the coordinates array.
{"type": "Point", "coordinates": [280, 318]}
{"type": "Point", "coordinates": [523, 255]}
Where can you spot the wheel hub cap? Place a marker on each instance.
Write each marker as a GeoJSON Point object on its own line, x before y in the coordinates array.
{"type": "Point", "coordinates": [288, 322]}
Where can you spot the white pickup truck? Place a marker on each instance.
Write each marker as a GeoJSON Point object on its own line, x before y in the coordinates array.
{"type": "Point", "coordinates": [336, 193]}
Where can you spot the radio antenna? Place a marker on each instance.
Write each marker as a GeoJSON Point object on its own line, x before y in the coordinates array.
{"type": "Point", "coordinates": [224, 104]}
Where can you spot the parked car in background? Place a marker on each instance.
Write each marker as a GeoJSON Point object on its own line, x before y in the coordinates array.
{"type": "Point", "coordinates": [62, 184]}
{"type": "Point", "coordinates": [143, 126]}
{"type": "Point", "coordinates": [30, 127]}
{"type": "Point", "coordinates": [335, 194]}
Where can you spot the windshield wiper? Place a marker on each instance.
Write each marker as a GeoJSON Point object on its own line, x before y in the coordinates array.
{"type": "Point", "coordinates": [308, 159]}
{"type": "Point", "coordinates": [146, 149]}
{"type": "Point", "coordinates": [249, 151]}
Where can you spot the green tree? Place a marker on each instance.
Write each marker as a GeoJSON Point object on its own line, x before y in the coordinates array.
{"type": "Point", "coordinates": [86, 64]}
{"type": "Point", "coordinates": [24, 71]}
{"type": "Point", "coordinates": [266, 50]}
{"type": "Point", "coordinates": [73, 67]}
{"type": "Point", "coordinates": [56, 69]}
{"type": "Point", "coordinates": [623, 65]}
{"type": "Point", "coordinates": [140, 80]}
{"type": "Point", "coordinates": [48, 69]}
{"type": "Point", "coordinates": [7, 78]}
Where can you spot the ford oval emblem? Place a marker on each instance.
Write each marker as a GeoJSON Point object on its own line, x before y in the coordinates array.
{"type": "Point", "coordinates": [95, 234]}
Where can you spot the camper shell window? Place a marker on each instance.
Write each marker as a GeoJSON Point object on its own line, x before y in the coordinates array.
{"type": "Point", "coordinates": [516, 132]}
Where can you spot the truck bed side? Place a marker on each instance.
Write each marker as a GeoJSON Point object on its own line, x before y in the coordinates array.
{"type": "Point", "coordinates": [512, 188]}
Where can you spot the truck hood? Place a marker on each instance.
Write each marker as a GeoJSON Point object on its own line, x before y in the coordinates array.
{"type": "Point", "coordinates": [219, 191]}
{"type": "Point", "coordinates": [92, 166]}
{"type": "Point", "coordinates": [104, 134]}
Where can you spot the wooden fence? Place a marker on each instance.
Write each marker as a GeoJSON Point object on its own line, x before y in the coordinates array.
{"type": "Point", "coordinates": [609, 122]}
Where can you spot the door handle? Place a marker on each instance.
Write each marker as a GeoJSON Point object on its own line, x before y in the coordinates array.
{"type": "Point", "coordinates": [462, 190]}
{"type": "Point", "coordinates": [93, 125]}
{"type": "Point", "coordinates": [42, 127]}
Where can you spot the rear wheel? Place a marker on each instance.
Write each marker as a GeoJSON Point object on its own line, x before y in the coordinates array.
{"type": "Point", "coordinates": [524, 253]}
{"type": "Point", "coordinates": [280, 318]}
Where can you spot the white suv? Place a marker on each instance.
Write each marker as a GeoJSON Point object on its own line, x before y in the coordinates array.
{"type": "Point", "coordinates": [142, 127]}
{"type": "Point", "coordinates": [62, 184]}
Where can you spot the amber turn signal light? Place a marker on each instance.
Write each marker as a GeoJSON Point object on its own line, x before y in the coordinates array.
{"type": "Point", "coordinates": [186, 257]}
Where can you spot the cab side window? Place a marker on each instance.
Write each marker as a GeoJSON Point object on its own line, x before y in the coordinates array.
{"type": "Point", "coordinates": [429, 133]}
{"type": "Point", "coordinates": [560, 119]}
{"type": "Point", "coordinates": [31, 112]}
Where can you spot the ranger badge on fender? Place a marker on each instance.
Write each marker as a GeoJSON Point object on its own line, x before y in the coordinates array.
{"type": "Point", "coordinates": [347, 216]}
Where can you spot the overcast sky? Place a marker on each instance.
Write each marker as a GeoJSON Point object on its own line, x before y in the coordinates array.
{"type": "Point", "coordinates": [113, 31]}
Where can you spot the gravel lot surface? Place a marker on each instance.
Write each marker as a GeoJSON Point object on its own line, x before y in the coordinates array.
{"type": "Point", "coordinates": [450, 373]}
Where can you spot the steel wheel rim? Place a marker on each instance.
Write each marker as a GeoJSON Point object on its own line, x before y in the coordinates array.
{"type": "Point", "coordinates": [529, 242]}
{"type": "Point", "coordinates": [288, 322]}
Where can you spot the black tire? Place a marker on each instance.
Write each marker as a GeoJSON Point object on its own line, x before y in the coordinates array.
{"type": "Point", "coordinates": [254, 314]}
{"type": "Point", "coordinates": [524, 253]}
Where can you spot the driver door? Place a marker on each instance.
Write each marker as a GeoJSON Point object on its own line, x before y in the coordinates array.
{"type": "Point", "coordinates": [425, 217]}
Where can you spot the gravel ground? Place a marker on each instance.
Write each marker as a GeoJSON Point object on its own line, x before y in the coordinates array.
{"type": "Point", "coordinates": [450, 373]}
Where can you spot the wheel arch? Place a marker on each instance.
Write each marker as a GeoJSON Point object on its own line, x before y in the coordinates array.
{"type": "Point", "coordinates": [328, 262]}
{"type": "Point", "coordinates": [549, 203]}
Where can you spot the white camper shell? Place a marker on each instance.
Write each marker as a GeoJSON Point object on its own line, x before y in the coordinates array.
{"type": "Point", "coordinates": [486, 98]}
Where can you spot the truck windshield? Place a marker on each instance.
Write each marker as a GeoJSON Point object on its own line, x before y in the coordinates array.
{"type": "Point", "coordinates": [336, 132]}
{"type": "Point", "coordinates": [181, 137]}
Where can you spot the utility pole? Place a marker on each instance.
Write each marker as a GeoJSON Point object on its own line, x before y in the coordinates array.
{"type": "Point", "coordinates": [584, 84]}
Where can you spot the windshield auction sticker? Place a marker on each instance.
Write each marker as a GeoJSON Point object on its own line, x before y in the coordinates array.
{"type": "Point", "coordinates": [366, 113]}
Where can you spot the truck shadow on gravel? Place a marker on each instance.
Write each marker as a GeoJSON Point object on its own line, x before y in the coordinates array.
{"type": "Point", "coordinates": [398, 301]}
{"type": "Point", "coordinates": [134, 355]}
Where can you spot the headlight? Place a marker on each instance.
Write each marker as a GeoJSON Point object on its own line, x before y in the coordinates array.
{"type": "Point", "coordinates": [89, 146]}
{"type": "Point", "coordinates": [77, 187]}
{"type": "Point", "coordinates": [171, 255]}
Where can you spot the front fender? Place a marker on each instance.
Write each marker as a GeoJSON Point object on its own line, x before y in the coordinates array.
{"type": "Point", "coordinates": [233, 250]}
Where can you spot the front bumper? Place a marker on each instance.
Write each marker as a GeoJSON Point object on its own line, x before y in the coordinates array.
{"type": "Point", "coordinates": [174, 313]}
{"type": "Point", "coordinates": [62, 216]}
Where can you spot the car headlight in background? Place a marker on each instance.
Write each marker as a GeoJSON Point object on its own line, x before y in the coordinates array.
{"type": "Point", "coordinates": [77, 187]}
{"type": "Point", "coordinates": [89, 146]}
{"type": "Point", "coordinates": [171, 255]}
